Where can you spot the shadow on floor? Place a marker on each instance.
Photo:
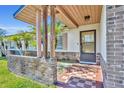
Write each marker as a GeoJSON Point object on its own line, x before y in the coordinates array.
{"type": "Point", "coordinates": [76, 82]}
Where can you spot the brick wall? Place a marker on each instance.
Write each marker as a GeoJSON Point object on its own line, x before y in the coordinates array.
{"type": "Point", "coordinates": [114, 68]}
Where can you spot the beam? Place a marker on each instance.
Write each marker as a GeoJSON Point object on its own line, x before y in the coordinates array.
{"type": "Point", "coordinates": [45, 30]}
{"type": "Point", "coordinates": [52, 32]}
{"type": "Point", "coordinates": [64, 13]}
{"type": "Point", "coordinates": [38, 32]}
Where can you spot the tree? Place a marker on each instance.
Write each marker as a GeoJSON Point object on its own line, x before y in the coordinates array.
{"type": "Point", "coordinates": [22, 36]}
{"type": "Point", "coordinates": [17, 40]}
{"type": "Point", "coordinates": [33, 33]}
{"type": "Point", "coordinates": [26, 37]}
{"type": "Point", "coordinates": [58, 28]}
{"type": "Point", "coordinates": [2, 34]}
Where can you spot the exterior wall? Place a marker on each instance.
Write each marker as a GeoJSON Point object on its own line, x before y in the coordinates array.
{"type": "Point", "coordinates": [103, 33]}
{"type": "Point", "coordinates": [102, 55]}
{"type": "Point", "coordinates": [73, 42]}
{"type": "Point", "coordinates": [64, 41]}
{"type": "Point", "coordinates": [114, 68]}
{"type": "Point", "coordinates": [34, 68]}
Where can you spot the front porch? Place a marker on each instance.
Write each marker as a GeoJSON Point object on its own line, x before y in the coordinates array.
{"type": "Point", "coordinates": [44, 66]}
{"type": "Point", "coordinates": [75, 75]}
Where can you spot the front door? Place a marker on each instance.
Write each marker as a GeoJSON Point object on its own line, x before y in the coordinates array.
{"type": "Point", "coordinates": [88, 46]}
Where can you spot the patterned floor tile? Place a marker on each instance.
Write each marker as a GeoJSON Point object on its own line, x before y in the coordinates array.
{"type": "Point", "coordinates": [80, 76]}
{"type": "Point", "coordinates": [79, 84]}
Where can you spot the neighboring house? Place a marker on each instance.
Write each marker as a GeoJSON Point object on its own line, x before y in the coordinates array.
{"type": "Point", "coordinates": [91, 37]}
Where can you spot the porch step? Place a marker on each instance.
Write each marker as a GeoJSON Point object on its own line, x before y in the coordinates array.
{"type": "Point", "coordinates": [85, 62]}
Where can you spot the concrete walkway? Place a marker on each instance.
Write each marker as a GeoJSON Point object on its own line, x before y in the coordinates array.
{"type": "Point", "coordinates": [77, 75]}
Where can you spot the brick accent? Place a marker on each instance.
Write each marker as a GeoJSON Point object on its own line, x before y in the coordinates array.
{"type": "Point", "coordinates": [98, 58]}
{"type": "Point", "coordinates": [114, 68]}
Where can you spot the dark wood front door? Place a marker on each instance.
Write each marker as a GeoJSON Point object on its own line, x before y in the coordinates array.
{"type": "Point", "coordinates": [88, 46]}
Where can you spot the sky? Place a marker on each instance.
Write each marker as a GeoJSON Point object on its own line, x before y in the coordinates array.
{"type": "Point", "coordinates": [8, 22]}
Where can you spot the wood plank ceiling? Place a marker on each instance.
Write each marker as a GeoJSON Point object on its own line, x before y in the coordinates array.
{"type": "Point", "coordinates": [71, 15]}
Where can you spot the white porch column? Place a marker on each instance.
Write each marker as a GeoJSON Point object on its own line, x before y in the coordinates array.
{"type": "Point", "coordinates": [52, 32]}
{"type": "Point", "coordinates": [38, 32]}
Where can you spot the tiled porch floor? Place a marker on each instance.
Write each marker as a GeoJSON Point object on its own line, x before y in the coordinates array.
{"type": "Point", "coordinates": [79, 76]}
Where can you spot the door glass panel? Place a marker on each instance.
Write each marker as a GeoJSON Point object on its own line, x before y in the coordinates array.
{"type": "Point", "coordinates": [87, 42]}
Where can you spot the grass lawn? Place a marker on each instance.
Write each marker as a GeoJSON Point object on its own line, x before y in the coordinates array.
{"type": "Point", "coordinates": [10, 80]}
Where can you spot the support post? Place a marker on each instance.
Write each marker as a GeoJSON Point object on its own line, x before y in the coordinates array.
{"type": "Point", "coordinates": [45, 31]}
{"type": "Point", "coordinates": [52, 32]}
{"type": "Point", "coordinates": [38, 32]}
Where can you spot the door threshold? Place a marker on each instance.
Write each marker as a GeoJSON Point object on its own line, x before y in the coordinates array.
{"type": "Point", "coordinates": [89, 63]}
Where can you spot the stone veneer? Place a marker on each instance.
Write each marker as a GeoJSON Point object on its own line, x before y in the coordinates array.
{"type": "Point", "coordinates": [114, 67]}
{"type": "Point", "coordinates": [34, 68]}
{"type": "Point", "coordinates": [72, 56]}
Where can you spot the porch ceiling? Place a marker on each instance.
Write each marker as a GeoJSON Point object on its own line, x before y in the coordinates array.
{"type": "Point", "coordinates": [71, 15]}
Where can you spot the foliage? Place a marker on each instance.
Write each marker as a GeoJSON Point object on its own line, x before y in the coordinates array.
{"type": "Point", "coordinates": [22, 36]}
{"type": "Point", "coordinates": [10, 80]}
{"type": "Point", "coordinates": [58, 27]}
{"type": "Point", "coordinates": [26, 37]}
{"type": "Point", "coordinates": [17, 40]}
{"type": "Point", "coordinates": [2, 34]}
{"type": "Point", "coordinates": [33, 43]}
{"type": "Point", "coordinates": [29, 38]}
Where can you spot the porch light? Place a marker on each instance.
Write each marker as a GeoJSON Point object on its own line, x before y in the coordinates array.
{"type": "Point", "coordinates": [87, 18]}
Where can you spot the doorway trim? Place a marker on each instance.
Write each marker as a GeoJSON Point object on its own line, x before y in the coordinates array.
{"type": "Point", "coordinates": [82, 46]}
